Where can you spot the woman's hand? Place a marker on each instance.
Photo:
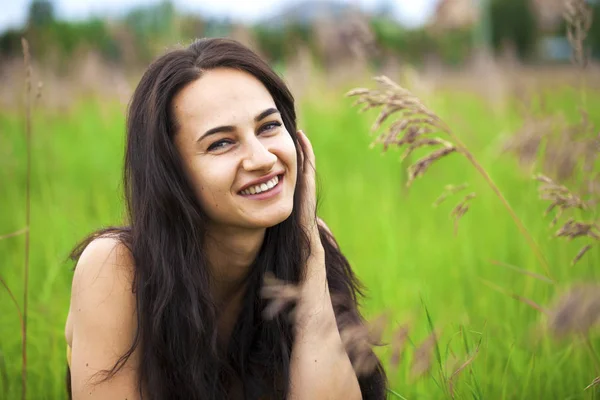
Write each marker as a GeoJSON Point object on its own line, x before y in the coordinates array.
{"type": "Point", "coordinates": [309, 213]}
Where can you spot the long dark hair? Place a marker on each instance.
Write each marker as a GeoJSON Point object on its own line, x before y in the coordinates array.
{"type": "Point", "coordinates": [176, 315]}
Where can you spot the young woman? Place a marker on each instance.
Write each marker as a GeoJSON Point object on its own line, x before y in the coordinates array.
{"type": "Point", "coordinates": [220, 190]}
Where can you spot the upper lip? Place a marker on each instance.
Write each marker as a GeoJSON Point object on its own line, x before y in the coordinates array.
{"type": "Point", "coordinates": [260, 180]}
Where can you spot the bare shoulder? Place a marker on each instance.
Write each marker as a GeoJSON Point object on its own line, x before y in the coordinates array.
{"type": "Point", "coordinates": [105, 269]}
{"type": "Point", "coordinates": [105, 255]}
{"type": "Point", "coordinates": [103, 277]}
{"type": "Point", "coordinates": [102, 318]}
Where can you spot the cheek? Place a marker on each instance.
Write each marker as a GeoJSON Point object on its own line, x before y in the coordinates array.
{"type": "Point", "coordinates": [287, 153]}
{"type": "Point", "coordinates": [211, 182]}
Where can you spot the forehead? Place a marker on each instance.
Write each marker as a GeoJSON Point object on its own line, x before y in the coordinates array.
{"type": "Point", "coordinates": [221, 96]}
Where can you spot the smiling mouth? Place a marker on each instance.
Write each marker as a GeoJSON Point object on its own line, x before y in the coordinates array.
{"type": "Point", "coordinates": [263, 187]}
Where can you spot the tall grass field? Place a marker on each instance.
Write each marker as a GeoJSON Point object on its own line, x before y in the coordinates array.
{"type": "Point", "coordinates": [491, 344]}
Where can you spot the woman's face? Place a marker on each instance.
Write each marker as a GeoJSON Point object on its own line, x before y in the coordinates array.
{"type": "Point", "coordinates": [240, 158]}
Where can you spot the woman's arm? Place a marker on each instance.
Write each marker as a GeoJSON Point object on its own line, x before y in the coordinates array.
{"type": "Point", "coordinates": [320, 367]}
{"type": "Point", "coordinates": [103, 321]}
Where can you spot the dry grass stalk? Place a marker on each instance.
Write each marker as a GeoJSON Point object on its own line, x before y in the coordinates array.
{"type": "Point", "coordinates": [28, 120]}
{"type": "Point", "coordinates": [515, 296]}
{"type": "Point", "coordinates": [13, 298]}
{"type": "Point", "coordinates": [13, 234]}
{"type": "Point", "coordinates": [460, 369]}
{"type": "Point", "coordinates": [414, 122]}
{"type": "Point", "coordinates": [581, 253]}
{"type": "Point", "coordinates": [577, 311]}
{"type": "Point", "coordinates": [594, 383]}
{"type": "Point", "coordinates": [523, 271]}
{"type": "Point", "coordinates": [399, 340]}
{"type": "Point", "coordinates": [423, 357]}
{"type": "Point", "coordinates": [578, 15]}
{"type": "Point", "coordinates": [449, 190]}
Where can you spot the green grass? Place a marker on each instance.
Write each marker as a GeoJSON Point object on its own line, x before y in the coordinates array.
{"type": "Point", "coordinates": [403, 249]}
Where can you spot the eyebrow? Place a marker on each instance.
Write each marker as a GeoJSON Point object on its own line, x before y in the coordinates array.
{"type": "Point", "coordinates": [231, 128]}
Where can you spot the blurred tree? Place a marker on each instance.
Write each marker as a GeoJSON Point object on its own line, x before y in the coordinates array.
{"type": "Point", "coordinates": [41, 13]}
{"type": "Point", "coordinates": [154, 27]}
{"type": "Point", "coordinates": [482, 31]}
{"type": "Point", "coordinates": [191, 26]}
{"type": "Point", "coordinates": [10, 42]}
{"type": "Point", "coordinates": [594, 33]}
{"type": "Point", "coordinates": [513, 21]}
{"type": "Point", "coordinates": [278, 43]}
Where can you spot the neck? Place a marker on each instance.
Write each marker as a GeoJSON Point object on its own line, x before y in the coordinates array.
{"type": "Point", "coordinates": [230, 255]}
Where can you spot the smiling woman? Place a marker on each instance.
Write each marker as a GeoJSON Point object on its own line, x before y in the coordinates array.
{"type": "Point", "coordinates": [220, 190]}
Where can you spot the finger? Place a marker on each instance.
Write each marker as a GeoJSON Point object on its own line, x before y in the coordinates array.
{"type": "Point", "coordinates": [301, 150]}
{"type": "Point", "coordinates": [309, 155]}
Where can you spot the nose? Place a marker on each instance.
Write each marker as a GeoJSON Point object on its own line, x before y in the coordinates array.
{"type": "Point", "coordinates": [258, 157]}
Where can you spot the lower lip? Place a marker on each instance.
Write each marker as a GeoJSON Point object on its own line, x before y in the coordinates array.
{"type": "Point", "coordinates": [275, 190]}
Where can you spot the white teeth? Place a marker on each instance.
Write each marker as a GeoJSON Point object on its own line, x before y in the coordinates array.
{"type": "Point", "coordinates": [261, 187]}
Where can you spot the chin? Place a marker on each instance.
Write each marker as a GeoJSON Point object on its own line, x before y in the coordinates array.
{"type": "Point", "coordinates": [272, 219]}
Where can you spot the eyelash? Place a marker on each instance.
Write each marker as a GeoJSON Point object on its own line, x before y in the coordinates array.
{"type": "Point", "coordinates": [218, 144]}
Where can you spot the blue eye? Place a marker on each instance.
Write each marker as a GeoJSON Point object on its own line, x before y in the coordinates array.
{"type": "Point", "coordinates": [219, 144]}
{"type": "Point", "coordinates": [270, 126]}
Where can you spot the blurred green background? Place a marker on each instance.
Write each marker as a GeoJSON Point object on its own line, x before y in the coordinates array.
{"type": "Point", "coordinates": [498, 72]}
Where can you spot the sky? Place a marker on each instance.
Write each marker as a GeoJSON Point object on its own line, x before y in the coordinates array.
{"type": "Point", "coordinates": [14, 12]}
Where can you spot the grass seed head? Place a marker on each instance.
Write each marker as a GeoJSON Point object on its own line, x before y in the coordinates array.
{"type": "Point", "coordinates": [421, 166]}
{"type": "Point", "coordinates": [449, 190]}
{"type": "Point", "coordinates": [574, 229]}
{"type": "Point", "coordinates": [560, 197]}
{"type": "Point", "coordinates": [399, 340]}
{"type": "Point", "coordinates": [414, 119]}
{"type": "Point", "coordinates": [461, 209]}
{"type": "Point", "coordinates": [577, 311]}
{"type": "Point", "coordinates": [358, 340]}
{"type": "Point", "coordinates": [423, 357]}
{"type": "Point", "coordinates": [581, 253]}
{"type": "Point", "coordinates": [280, 295]}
